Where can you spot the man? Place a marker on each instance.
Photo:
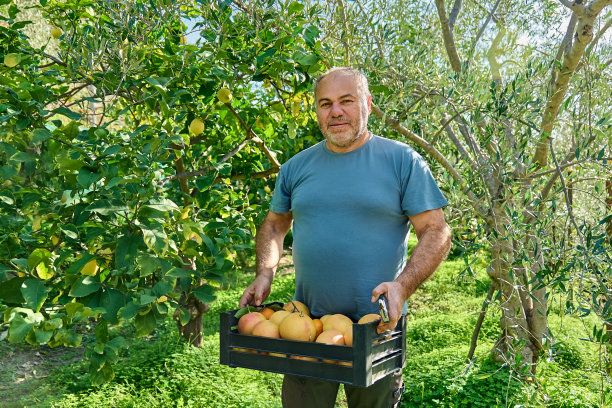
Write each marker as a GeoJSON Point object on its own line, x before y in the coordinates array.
{"type": "Point", "coordinates": [351, 200]}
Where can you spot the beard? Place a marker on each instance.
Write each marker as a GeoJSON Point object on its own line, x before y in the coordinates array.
{"type": "Point", "coordinates": [346, 137]}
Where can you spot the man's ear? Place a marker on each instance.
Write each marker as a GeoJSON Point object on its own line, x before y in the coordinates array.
{"type": "Point", "coordinates": [369, 103]}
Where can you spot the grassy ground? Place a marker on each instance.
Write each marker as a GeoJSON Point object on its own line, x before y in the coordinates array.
{"type": "Point", "coordinates": [161, 371]}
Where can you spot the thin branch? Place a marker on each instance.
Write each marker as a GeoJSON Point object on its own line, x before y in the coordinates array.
{"type": "Point", "coordinates": [477, 327]}
{"type": "Point", "coordinates": [452, 18]}
{"type": "Point", "coordinates": [598, 36]}
{"type": "Point", "coordinates": [481, 31]}
{"type": "Point", "coordinates": [252, 136]}
{"type": "Point", "coordinates": [582, 37]}
{"type": "Point", "coordinates": [448, 38]}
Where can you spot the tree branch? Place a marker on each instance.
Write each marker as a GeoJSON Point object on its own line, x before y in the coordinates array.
{"type": "Point", "coordinates": [582, 37]}
{"type": "Point", "coordinates": [480, 32]}
{"type": "Point", "coordinates": [448, 38]}
{"type": "Point", "coordinates": [452, 18]}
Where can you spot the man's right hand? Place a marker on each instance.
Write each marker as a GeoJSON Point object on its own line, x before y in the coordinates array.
{"type": "Point", "coordinates": [257, 291]}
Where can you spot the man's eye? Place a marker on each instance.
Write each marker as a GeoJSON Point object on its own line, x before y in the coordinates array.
{"type": "Point", "coordinates": [347, 101]}
{"type": "Point", "coordinates": [325, 104]}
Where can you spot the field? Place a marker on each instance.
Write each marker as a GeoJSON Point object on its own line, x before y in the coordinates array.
{"type": "Point", "coordinates": [161, 371]}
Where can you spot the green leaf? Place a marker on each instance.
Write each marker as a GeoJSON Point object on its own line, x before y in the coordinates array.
{"type": "Point", "coordinates": [144, 324]}
{"type": "Point", "coordinates": [155, 238]}
{"type": "Point", "coordinates": [161, 288]}
{"type": "Point", "coordinates": [205, 293]}
{"type": "Point", "coordinates": [107, 207]}
{"type": "Point", "coordinates": [102, 331]}
{"type": "Point", "coordinates": [35, 293]}
{"type": "Point", "coordinates": [40, 135]}
{"type": "Point", "coordinates": [112, 300]}
{"type": "Point", "coordinates": [203, 183]}
{"type": "Point", "coordinates": [68, 113]}
{"type": "Point", "coordinates": [102, 375]}
{"type": "Point", "coordinates": [162, 204]}
{"type": "Point", "coordinates": [295, 8]}
{"type": "Point", "coordinates": [6, 172]}
{"type": "Point", "coordinates": [19, 329]}
{"type": "Point", "coordinates": [148, 264]}
{"type": "Point", "coordinates": [83, 286]}
{"type": "Point", "coordinates": [43, 336]}
{"type": "Point", "coordinates": [86, 177]}
{"type": "Point", "coordinates": [127, 250]}
{"type": "Point", "coordinates": [10, 291]}
{"type": "Point", "coordinates": [130, 310]}
{"type": "Point", "coordinates": [41, 262]}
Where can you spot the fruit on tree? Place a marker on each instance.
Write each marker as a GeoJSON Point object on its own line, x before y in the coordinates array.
{"type": "Point", "coordinates": [296, 306]}
{"type": "Point", "coordinates": [11, 60]}
{"type": "Point", "coordinates": [90, 268]}
{"type": "Point", "coordinates": [196, 126]}
{"type": "Point", "coordinates": [247, 323]}
{"type": "Point", "coordinates": [56, 32]}
{"type": "Point", "coordinates": [298, 326]}
{"type": "Point", "coordinates": [224, 95]}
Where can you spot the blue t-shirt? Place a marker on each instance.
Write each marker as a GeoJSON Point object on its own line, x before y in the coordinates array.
{"type": "Point", "coordinates": [350, 219]}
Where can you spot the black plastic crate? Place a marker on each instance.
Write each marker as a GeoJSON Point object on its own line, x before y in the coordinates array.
{"type": "Point", "coordinates": [371, 357]}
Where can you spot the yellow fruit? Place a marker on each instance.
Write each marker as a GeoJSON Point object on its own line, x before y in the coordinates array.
{"type": "Point", "coordinates": [90, 268]}
{"type": "Point", "coordinates": [64, 197]}
{"type": "Point", "coordinates": [297, 306]}
{"type": "Point", "coordinates": [338, 322]}
{"type": "Point", "coordinates": [224, 95]}
{"type": "Point", "coordinates": [54, 240]}
{"type": "Point", "coordinates": [247, 323]}
{"type": "Point", "coordinates": [298, 326]}
{"type": "Point", "coordinates": [196, 126]}
{"type": "Point", "coordinates": [183, 40]}
{"type": "Point", "coordinates": [348, 335]}
{"type": "Point", "coordinates": [372, 317]}
{"type": "Point", "coordinates": [12, 59]}
{"type": "Point", "coordinates": [267, 189]}
{"type": "Point", "coordinates": [266, 328]}
{"type": "Point", "coordinates": [318, 325]}
{"type": "Point", "coordinates": [56, 32]}
{"type": "Point", "coordinates": [162, 299]}
{"type": "Point", "coordinates": [278, 316]}
{"type": "Point", "coordinates": [331, 337]}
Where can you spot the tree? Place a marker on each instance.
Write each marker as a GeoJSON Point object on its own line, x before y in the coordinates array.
{"type": "Point", "coordinates": [112, 209]}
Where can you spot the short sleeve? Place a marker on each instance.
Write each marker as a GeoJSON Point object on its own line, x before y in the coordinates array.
{"type": "Point", "coordinates": [420, 192]}
{"type": "Point", "coordinates": [281, 199]}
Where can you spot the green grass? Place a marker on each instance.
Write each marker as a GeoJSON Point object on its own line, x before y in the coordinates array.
{"type": "Point", "coordinates": [162, 371]}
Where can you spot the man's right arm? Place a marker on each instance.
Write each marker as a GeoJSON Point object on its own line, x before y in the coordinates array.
{"type": "Point", "coordinates": [268, 251]}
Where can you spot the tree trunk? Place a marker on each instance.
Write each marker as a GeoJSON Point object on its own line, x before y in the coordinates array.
{"type": "Point", "coordinates": [192, 331]}
{"type": "Point", "coordinates": [523, 304]}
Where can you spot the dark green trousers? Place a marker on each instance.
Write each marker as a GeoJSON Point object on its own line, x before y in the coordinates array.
{"type": "Point", "coordinates": [300, 392]}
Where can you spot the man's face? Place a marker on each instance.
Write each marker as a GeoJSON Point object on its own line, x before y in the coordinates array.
{"type": "Point", "coordinates": [342, 112]}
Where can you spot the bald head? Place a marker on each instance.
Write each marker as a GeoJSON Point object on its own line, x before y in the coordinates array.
{"type": "Point", "coordinates": [361, 82]}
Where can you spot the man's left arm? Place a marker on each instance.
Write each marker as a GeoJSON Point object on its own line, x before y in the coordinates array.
{"type": "Point", "coordinates": [434, 244]}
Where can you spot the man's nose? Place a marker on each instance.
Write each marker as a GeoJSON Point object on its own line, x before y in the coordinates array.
{"type": "Point", "coordinates": [336, 110]}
